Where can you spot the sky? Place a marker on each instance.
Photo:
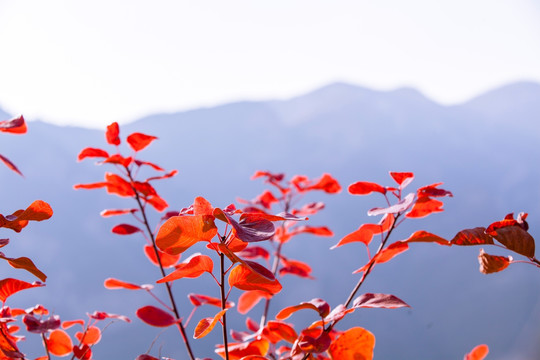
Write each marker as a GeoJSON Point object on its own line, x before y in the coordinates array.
{"type": "Point", "coordinates": [89, 63]}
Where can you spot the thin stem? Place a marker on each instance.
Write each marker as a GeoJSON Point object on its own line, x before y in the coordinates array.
{"type": "Point", "coordinates": [223, 304]}
{"type": "Point", "coordinates": [535, 260]}
{"type": "Point", "coordinates": [275, 266]}
{"type": "Point", "coordinates": [46, 346]}
{"type": "Point", "coordinates": [167, 284]}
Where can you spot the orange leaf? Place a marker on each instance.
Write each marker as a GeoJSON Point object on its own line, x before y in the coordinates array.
{"type": "Point", "coordinates": [26, 264]}
{"type": "Point", "coordinates": [385, 255]}
{"type": "Point", "coordinates": [113, 284]}
{"type": "Point", "coordinates": [117, 185]}
{"type": "Point", "coordinates": [167, 260]}
{"type": "Point", "coordinates": [491, 263]}
{"type": "Point", "coordinates": [425, 206]}
{"type": "Point", "coordinates": [319, 305]}
{"type": "Point", "coordinates": [37, 211]}
{"type": "Point", "coordinates": [192, 267]}
{"type": "Point", "coordinates": [112, 133]}
{"type": "Point", "coordinates": [240, 350]}
{"type": "Point", "coordinates": [10, 286]}
{"type": "Point", "coordinates": [424, 236]}
{"type": "Point", "coordinates": [476, 236]}
{"type": "Point", "coordinates": [115, 212]}
{"type": "Point", "coordinates": [139, 141]}
{"type": "Point", "coordinates": [249, 299]}
{"type": "Point", "coordinates": [179, 233]}
{"type": "Point", "coordinates": [201, 206]}
{"type": "Point", "coordinates": [275, 331]}
{"type": "Point", "coordinates": [365, 188]}
{"type": "Point", "coordinates": [206, 325]}
{"type": "Point", "coordinates": [353, 344]}
{"type": "Point", "coordinates": [365, 232]}
{"type": "Point", "coordinates": [90, 337]}
{"type": "Point", "coordinates": [478, 353]}
{"type": "Point", "coordinates": [250, 275]}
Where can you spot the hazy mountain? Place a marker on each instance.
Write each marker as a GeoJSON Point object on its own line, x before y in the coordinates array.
{"type": "Point", "coordinates": [483, 150]}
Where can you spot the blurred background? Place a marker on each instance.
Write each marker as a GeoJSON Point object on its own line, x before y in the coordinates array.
{"type": "Point", "coordinates": [448, 90]}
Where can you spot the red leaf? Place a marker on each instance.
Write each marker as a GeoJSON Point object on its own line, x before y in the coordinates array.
{"type": "Point", "coordinates": [401, 206]}
{"type": "Point", "coordinates": [90, 186]}
{"type": "Point", "coordinates": [167, 260]}
{"type": "Point", "coordinates": [112, 133]}
{"type": "Point", "coordinates": [199, 299]}
{"type": "Point", "coordinates": [10, 165]}
{"type": "Point", "coordinates": [10, 286]}
{"type": "Point", "coordinates": [424, 236]}
{"type": "Point", "coordinates": [313, 341]}
{"type": "Point", "coordinates": [16, 125]}
{"type": "Point", "coordinates": [139, 141]}
{"type": "Point", "coordinates": [118, 160]}
{"type": "Point", "coordinates": [309, 209]}
{"type": "Point", "coordinates": [385, 301]}
{"type": "Point", "coordinates": [157, 203]}
{"type": "Point", "coordinates": [112, 284]}
{"type": "Point", "coordinates": [355, 343]}
{"type": "Point", "coordinates": [254, 252]}
{"type": "Point", "coordinates": [82, 352]}
{"type": "Point", "coordinates": [166, 176]}
{"type": "Point", "coordinates": [319, 305]}
{"type": "Point", "coordinates": [327, 184]}
{"type": "Point", "coordinates": [179, 233]}
{"type": "Point", "coordinates": [275, 331]}
{"type": "Point", "coordinates": [152, 165]}
{"type": "Point", "coordinates": [252, 276]}
{"type": "Point", "coordinates": [115, 212]}
{"type": "Point", "coordinates": [491, 264]}
{"type": "Point", "coordinates": [249, 299]}
{"type": "Point", "coordinates": [365, 188]}
{"type": "Point", "coordinates": [431, 190]}
{"type": "Point", "coordinates": [478, 353]}
{"type": "Point", "coordinates": [39, 326]}
{"type": "Point", "coordinates": [92, 152]}
{"type": "Point", "coordinates": [8, 346]}
{"type": "Point", "coordinates": [155, 317]}
{"type": "Point", "coordinates": [295, 267]}
{"type": "Point", "coordinates": [476, 236]}
{"type": "Point", "coordinates": [59, 343]}
{"type": "Point", "coordinates": [117, 185]}
{"type": "Point", "coordinates": [201, 206]}
{"type": "Point", "coordinates": [91, 337]}
{"type": "Point", "coordinates": [192, 267]}
{"type": "Point", "coordinates": [206, 325]}
{"type": "Point", "coordinates": [425, 206]}
{"type": "Point", "coordinates": [266, 199]}
{"type": "Point", "coordinates": [100, 315]}
{"type": "Point", "coordinates": [365, 233]}
{"type": "Point", "coordinates": [385, 255]}
{"type": "Point", "coordinates": [125, 229]}
{"type": "Point", "coordinates": [37, 211]}
{"type": "Point", "coordinates": [146, 357]}
{"type": "Point", "coordinates": [26, 264]}
{"type": "Point", "coordinates": [70, 323]}
{"type": "Point", "coordinates": [402, 178]}
{"type": "Point", "coordinates": [238, 351]}
{"type": "Point", "coordinates": [491, 229]}
{"type": "Point", "coordinates": [315, 230]}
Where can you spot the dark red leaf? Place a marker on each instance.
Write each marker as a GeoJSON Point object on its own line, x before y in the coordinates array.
{"type": "Point", "coordinates": [112, 133]}
{"type": "Point", "coordinates": [125, 229]}
{"type": "Point", "coordinates": [92, 152]}
{"type": "Point", "coordinates": [82, 352]}
{"type": "Point", "coordinates": [39, 326]}
{"type": "Point", "coordinates": [146, 357]}
{"type": "Point", "coordinates": [433, 191]}
{"type": "Point", "coordinates": [10, 165]}
{"type": "Point", "coordinates": [491, 229]}
{"type": "Point", "coordinates": [100, 315]}
{"type": "Point", "coordinates": [17, 125]}
{"type": "Point", "coordinates": [254, 252]}
{"type": "Point", "coordinates": [385, 301]}
{"type": "Point", "coordinates": [155, 316]}
{"type": "Point", "coordinates": [476, 236]}
{"type": "Point", "coordinates": [139, 141]}
{"type": "Point", "coordinates": [516, 239]}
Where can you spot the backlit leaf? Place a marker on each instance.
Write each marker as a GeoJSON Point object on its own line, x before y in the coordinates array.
{"type": "Point", "coordinates": [118, 186]}
{"type": "Point", "coordinates": [82, 352]}
{"type": "Point", "coordinates": [476, 236]}
{"type": "Point", "coordinates": [401, 206]}
{"type": "Point", "coordinates": [179, 233]}
{"type": "Point", "coordinates": [139, 141]}
{"type": "Point", "coordinates": [365, 233]}
{"type": "Point", "coordinates": [152, 165]}
{"type": "Point", "coordinates": [424, 236]}
{"type": "Point", "coordinates": [319, 305]}
{"type": "Point", "coordinates": [516, 239]}
{"type": "Point", "coordinates": [433, 191]}
{"type": "Point", "coordinates": [315, 230]}
{"type": "Point", "coordinates": [313, 340]}
{"type": "Point", "coordinates": [26, 264]}
{"type": "Point", "coordinates": [155, 316]}
{"type": "Point", "coordinates": [491, 263]}
{"type": "Point", "coordinates": [10, 286]}
{"type": "Point", "coordinates": [90, 337]}
{"type": "Point", "coordinates": [238, 351]}
{"type": "Point", "coordinates": [201, 206]}
{"type": "Point", "coordinates": [192, 267]}
{"type": "Point", "coordinates": [165, 176]}
{"type": "Point", "coordinates": [92, 152]}
{"type": "Point", "coordinates": [116, 212]}
{"type": "Point", "coordinates": [425, 206]}
{"type": "Point", "coordinates": [199, 299]}
{"type": "Point", "coordinates": [9, 164]}
{"type": "Point", "coordinates": [275, 331]}
{"type": "Point", "coordinates": [16, 125]}
{"type": "Point", "coordinates": [101, 315]}
{"type": "Point", "coordinates": [145, 357]}
{"type": "Point", "coordinates": [249, 299]}
{"type": "Point", "coordinates": [59, 343]}
{"type": "Point", "coordinates": [113, 131]}
{"type": "Point", "coordinates": [112, 284]}
{"type": "Point", "coordinates": [250, 275]}
{"type": "Point", "coordinates": [365, 188]}
{"type": "Point", "coordinates": [354, 344]}
{"type": "Point", "coordinates": [125, 229]}
{"type": "Point", "coordinates": [325, 183]}
{"type": "Point", "coordinates": [8, 344]}
{"type": "Point", "coordinates": [385, 301]}
{"type": "Point", "coordinates": [206, 325]}
{"type": "Point", "coordinates": [118, 160]}
{"type": "Point", "coordinates": [167, 260]}
{"type": "Point", "coordinates": [402, 178]}
{"type": "Point", "coordinates": [385, 255]}
{"type": "Point", "coordinates": [157, 203]}
{"type": "Point", "coordinates": [37, 211]}
{"type": "Point", "coordinates": [478, 353]}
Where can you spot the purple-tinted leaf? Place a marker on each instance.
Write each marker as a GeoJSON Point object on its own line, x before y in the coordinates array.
{"type": "Point", "coordinates": [385, 301]}
{"type": "Point", "coordinates": [401, 206]}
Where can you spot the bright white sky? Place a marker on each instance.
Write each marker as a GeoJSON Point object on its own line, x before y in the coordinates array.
{"type": "Point", "coordinates": [89, 63]}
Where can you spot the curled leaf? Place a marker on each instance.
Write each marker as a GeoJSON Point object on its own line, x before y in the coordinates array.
{"type": "Point", "coordinates": [385, 301]}
{"type": "Point", "coordinates": [319, 305]}
{"type": "Point", "coordinates": [113, 131]}
{"type": "Point", "coordinates": [206, 325]}
{"type": "Point", "coordinates": [491, 263]}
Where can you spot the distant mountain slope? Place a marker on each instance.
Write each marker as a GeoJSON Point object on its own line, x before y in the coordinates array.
{"type": "Point", "coordinates": [484, 150]}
